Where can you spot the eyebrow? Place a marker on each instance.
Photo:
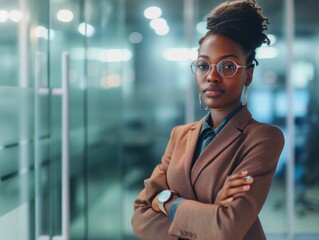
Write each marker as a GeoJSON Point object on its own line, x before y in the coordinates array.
{"type": "Point", "coordinates": [221, 58]}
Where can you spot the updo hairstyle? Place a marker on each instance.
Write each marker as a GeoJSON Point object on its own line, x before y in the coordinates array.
{"type": "Point", "coordinates": [242, 21]}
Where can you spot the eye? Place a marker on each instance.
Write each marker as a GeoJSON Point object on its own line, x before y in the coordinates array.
{"type": "Point", "coordinates": [202, 66]}
{"type": "Point", "coordinates": [228, 65]}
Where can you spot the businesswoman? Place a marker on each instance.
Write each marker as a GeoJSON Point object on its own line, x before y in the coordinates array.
{"type": "Point", "coordinates": [215, 174]}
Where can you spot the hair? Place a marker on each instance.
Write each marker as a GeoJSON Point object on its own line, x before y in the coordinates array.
{"type": "Point", "coordinates": [242, 21]}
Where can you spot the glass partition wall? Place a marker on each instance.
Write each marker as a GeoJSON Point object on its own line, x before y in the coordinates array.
{"type": "Point", "coordinates": [129, 84]}
{"type": "Point", "coordinates": [305, 83]}
{"type": "Point", "coordinates": [42, 43]}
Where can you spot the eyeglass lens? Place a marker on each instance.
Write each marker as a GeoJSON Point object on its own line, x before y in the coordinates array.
{"type": "Point", "coordinates": [226, 68]}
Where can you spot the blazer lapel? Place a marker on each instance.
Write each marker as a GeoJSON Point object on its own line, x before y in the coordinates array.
{"type": "Point", "coordinates": [190, 149]}
{"type": "Point", "coordinates": [231, 131]}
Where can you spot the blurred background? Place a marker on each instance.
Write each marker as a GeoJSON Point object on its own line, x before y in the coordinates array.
{"type": "Point", "coordinates": [129, 85]}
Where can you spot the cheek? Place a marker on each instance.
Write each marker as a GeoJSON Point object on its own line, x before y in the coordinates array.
{"type": "Point", "coordinates": [236, 87]}
{"type": "Point", "coordinates": [240, 81]}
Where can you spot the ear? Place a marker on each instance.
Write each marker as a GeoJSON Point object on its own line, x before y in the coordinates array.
{"type": "Point", "coordinates": [249, 76]}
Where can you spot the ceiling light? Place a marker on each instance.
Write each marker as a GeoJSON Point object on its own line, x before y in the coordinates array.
{"type": "Point", "coordinates": [4, 16]}
{"type": "Point", "coordinates": [111, 81]}
{"type": "Point", "coordinates": [162, 30]}
{"type": "Point", "coordinates": [158, 23]}
{"type": "Point", "coordinates": [65, 15]}
{"type": "Point", "coordinates": [266, 52]}
{"type": "Point", "coordinates": [135, 37]}
{"type": "Point", "coordinates": [272, 38]}
{"type": "Point", "coordinates": [180, 54]}
{"type": "Point", "coordinates": [86, 29]}
{"type": "Point", "coordinates": [115, 55]}
{"type": "Point", "coordinates": [42, 32]}
{"type": "Point", "coordinates": [15, 15]}
{"type": "Point", "coordinates": [152, 12]}
{"type": "Point", "coordinates": [201, 27]}
{"type": "Point", "coordinates": [160, 26]}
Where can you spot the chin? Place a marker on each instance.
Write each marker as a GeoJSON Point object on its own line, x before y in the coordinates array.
{"type": "Point", "coordinates": [223, 105]}
{"type": "Point", "coordinates": [214, 104]}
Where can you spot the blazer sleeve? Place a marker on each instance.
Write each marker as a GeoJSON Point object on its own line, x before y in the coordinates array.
{"type": "Point", "coordinates": [148, 224]}
{"type": "Point", "coordinates": [211, 221]}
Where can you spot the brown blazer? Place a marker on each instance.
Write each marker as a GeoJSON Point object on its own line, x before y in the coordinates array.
{"type": "Point", "coordinates": [243, 144]}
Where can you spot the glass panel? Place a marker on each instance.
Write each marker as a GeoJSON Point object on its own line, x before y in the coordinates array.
{"type": "Point", "coordinates": [67, 33]}
{"type": "Point", "coordinates": [12, 224]}
{"type": "Point", "coordinates": [38, 69]}
{"type": "Point", "coordinates": [266, 96]}
{"type": "Point", "coordinates": [106, 54]}
{"type": "Point", "coordinates": [155, 101]}
{"type": "Point", "coordinates": [17, 118]}
{"type": "Point", "coordinates": [12, 42]}
{"type": "Point", "coordinates": [306, 103]}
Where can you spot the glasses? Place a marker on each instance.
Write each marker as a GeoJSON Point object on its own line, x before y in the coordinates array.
{"type": "Point", "coordinates": [226, 68]}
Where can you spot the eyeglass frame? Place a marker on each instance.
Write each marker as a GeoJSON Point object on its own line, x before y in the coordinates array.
{"type": "Point", "coordinates": [213, 64]}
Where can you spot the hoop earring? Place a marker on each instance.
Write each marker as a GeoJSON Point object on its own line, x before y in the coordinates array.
{"type": "Point", "coordinates": [200, 103]}
{"type": "Point", "coordinates": [246, 95]}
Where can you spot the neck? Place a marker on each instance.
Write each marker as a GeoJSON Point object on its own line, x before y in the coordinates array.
{"type": "Point", "coordinates": [218, 114]}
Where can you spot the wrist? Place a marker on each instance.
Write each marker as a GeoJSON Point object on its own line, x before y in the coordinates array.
{"type": "Point", "coordinates": [169, 203]}
{"type": "Point", "coordinates": [165, 199]}
{"type": "Point", "coordinates": [155, 204]}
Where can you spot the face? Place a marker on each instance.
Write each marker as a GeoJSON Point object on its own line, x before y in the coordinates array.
{"type": "Point", "coordinates": [220, 92]}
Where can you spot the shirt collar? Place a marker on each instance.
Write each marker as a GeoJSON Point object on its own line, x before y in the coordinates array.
{"type": "Point", "coordinates": [208, 123]}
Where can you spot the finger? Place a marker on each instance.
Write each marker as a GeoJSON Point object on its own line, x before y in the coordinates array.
{"type": "Point", "coordinates": [233, 191]}
{"type": "Point", "coordinates": [238, 182]}
{"type": "Point", "coordinates": [226, 201]}
{"type": "Point", "coordinates": [238, 175]}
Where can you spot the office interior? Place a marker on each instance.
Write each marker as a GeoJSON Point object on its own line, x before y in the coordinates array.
{"type": "Point", "coordinates": [101, 83]}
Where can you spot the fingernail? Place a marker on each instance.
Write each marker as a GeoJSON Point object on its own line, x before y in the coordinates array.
{"type": "Point", "coordinates": [248, 178]}
{"type": "Point", "coordinates": [246, 187]}
{"type": "Point", "coordinates": [244, 172]}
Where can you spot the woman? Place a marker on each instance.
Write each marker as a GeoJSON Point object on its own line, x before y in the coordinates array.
{"type": "Point", "coordinates": [216, 173]}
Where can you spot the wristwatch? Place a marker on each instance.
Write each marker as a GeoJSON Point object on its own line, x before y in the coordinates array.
{"type": "Point", "coordinates": [164, 197]}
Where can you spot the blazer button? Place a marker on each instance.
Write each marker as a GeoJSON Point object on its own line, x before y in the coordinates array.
{"type": "Point", "coordinates": [190, 234]}
{"type": "Point", "coordinates": [184, 233]}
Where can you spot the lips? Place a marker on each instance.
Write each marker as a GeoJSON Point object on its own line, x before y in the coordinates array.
{"type": "Point", "coordinates": [213, 91]}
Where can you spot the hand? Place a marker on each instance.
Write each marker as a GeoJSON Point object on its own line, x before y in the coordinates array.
{"type": "Point", "coordinates": [155, 204]}
{"type": "Point", "coordinates": [234, 184]}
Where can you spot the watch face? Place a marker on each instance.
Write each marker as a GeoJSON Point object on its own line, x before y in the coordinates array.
{"type": "Point", "coordinates": [164, 196]}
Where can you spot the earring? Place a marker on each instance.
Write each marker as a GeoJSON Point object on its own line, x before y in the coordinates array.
{"type": "Point", "coordinates": [246, 95]}
{"type": "Point", "coordinates": [200, 103]}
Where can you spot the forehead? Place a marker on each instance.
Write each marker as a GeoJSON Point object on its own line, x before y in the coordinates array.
{"type": "Point", "coordinates": [217, 46]}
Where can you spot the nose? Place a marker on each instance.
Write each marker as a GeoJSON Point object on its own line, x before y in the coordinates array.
{"type": "Point", "coordinates": [213, 75]}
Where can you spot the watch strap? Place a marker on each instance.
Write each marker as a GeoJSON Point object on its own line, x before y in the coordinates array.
{"type": "Point", "coordinates": [161, 204]}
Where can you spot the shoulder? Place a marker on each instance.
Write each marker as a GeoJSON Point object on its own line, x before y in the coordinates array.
{"type": "Point", "coordinates": [264, 131]}
{"type": "Point", "coordinates": [183, 130]}
{"type": "Point", "coordinates": [186, 127]}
